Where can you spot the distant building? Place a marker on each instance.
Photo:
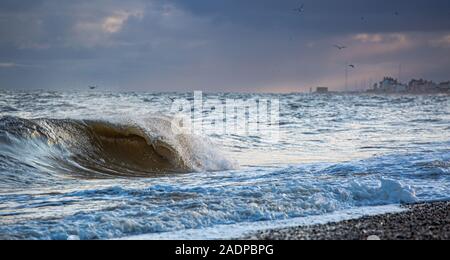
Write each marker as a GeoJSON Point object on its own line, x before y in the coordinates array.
{"type": "Point", "coordinates": [322, 90]}
{"type": "Point", "coordinates": [416, 86]}
{"type": "Point", "coordinates": [391, 85]}
{"type": "Point", "coordinates": [444, 87]}
{"type": "Point", "coordinates": [422, 86]}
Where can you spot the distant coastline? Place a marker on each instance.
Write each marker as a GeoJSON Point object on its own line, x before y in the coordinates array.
{"type": "Point", "coordinates": [416, 86]}
{"type": "Point", "coordinates": [391, 85]}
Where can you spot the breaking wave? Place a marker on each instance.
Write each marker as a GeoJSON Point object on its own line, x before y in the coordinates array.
{"type": "Point", "coordinates": [102, 149]}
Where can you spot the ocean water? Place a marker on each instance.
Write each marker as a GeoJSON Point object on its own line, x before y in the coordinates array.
{"type": "Point", "coordinates": [97, 165]}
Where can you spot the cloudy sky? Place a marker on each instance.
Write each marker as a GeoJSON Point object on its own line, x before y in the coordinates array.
{"type": "Point", "coordinates": [220, 45]}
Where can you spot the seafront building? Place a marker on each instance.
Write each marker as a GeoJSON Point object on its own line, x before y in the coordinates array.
{"type": "Point", "coordinates": [444, 87]}
{"type": "Point", "coordinates": [390, 85]}
{"type": "Point", "coordinates": [322, 90]}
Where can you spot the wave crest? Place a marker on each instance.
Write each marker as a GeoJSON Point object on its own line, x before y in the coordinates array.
{"type": "Point", "coordinates": [94, 148]}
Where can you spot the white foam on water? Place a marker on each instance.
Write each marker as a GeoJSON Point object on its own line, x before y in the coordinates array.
{"type": "Point", "coordinates": [389, 190]}
{"type": "Point", "coordinates": [246, 229]}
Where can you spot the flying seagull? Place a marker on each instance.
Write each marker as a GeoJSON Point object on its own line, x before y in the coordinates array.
{"type": "Point", "coordinates": [352, 66]}
{"type": "Point", "coordinates": [300, 9]}
{"type": "Point", "coordinates": [339, 47]}
{"type": "Point", "coordinates": [92, 87]}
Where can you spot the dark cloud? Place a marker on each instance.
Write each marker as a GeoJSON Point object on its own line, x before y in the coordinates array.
{"type": "Point", "coordinates": [7, 6]}
{"type": "Point", "coordinates": [330, 16]}
{"type": "Point", "coordinates": [221, 45]}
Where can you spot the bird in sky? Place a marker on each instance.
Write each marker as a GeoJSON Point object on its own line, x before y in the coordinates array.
{"type": "Point", "coordinates": [352, 66]}
{"type": "Point", "coordinates": [300, 9]}
{"type": "Point", "coordinates": [92, 87]}
{"type": "Point", "coordinates": [340, 47]}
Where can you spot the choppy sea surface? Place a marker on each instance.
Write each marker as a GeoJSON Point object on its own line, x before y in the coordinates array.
{"type": "Point", "coordinates": [97, 165]}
